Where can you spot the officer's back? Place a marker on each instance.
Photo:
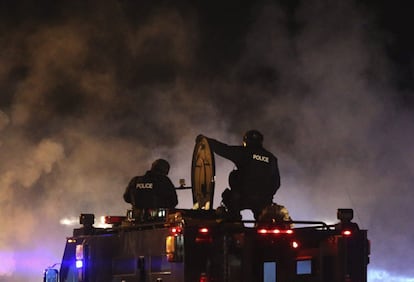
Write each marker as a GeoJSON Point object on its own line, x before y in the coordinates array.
{"type": "Point", "coordinates": [153, 189]}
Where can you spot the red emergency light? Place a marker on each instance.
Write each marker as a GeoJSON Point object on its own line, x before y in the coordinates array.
{"type": "Point", "coordinates": [113, 219]}
{"type": "Point", "coordinates": [262, 231]}
{"type": "Point", "coordinates": [346, 232]}
{"type": "Point", "coordinates": [203, 236]}
{"type": "Point", "coordinates": [203, 278]}
{"type": "Point", "coordinates": [203, 230]}
{"type": "Point", "coordinates": [274, 231]}
{"type": "Point", "coordinates": [176, 230]}
{"type": "Point", "coordinates": [294, 244]}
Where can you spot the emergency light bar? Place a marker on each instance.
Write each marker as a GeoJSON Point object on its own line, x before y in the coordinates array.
{"type": "Point", "coordinates": [113, 219]}
{"type": "Point", "coordinates": [274, 231]}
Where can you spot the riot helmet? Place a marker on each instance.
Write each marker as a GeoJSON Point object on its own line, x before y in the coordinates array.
{"type": "Point", "coordinates": [253, 138]}
{"type": "Point", "coordinates": [160, 166]}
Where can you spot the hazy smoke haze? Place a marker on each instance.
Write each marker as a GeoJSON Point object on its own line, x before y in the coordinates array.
{"type": "Point", "coordinates": [91, 93]}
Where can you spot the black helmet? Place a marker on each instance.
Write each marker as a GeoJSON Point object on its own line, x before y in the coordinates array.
{"type": "Point", "coordinates": [160, 166]}
{"type": "Point", "coordinates": [253, 138]}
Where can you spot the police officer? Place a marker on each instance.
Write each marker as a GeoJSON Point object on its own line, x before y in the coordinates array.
{"type": "Point", "coordinates": [153, 189]}
{"type": "Point", "coordinates": [256, 179]}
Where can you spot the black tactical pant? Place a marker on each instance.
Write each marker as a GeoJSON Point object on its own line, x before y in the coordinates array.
{"type": "Point", "coordinates": [235, 202]}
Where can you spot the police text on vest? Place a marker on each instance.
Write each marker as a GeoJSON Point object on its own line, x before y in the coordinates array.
{"type": "Point", "coordinates": [261, 158]}
{"type": "Point", "coordinates": [144, 185]}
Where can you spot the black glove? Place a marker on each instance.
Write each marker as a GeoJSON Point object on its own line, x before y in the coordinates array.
{"type": "Point", "coordinates": [199, 137]}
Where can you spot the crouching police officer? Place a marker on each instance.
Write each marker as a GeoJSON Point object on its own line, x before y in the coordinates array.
{"type": "Point", "coordinates": [151, 191]}
{"type": "Point", "coordinates": [256, 179]}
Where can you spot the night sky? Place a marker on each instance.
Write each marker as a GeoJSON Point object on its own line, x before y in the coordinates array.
{"type": "Point", "coordinates": [91, 92]}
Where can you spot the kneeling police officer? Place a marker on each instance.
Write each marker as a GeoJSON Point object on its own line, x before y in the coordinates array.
{"type": "Point", "coordinates": [256, 179]}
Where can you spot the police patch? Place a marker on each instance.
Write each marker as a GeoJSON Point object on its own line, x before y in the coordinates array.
{"type": "Point", "coordinates": [144, 185]}
{"type": "Point", "coordinates": [261, 158]}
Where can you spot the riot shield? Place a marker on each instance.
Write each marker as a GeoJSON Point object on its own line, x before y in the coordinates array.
{"type": "Point", "coordinates": [203, 175]}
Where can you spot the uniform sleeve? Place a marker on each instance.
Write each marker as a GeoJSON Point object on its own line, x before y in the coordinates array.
{"type": "Point", "coordinates": [229, 152]}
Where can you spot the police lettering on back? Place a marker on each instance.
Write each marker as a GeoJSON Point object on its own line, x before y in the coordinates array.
{"type": "Point", "coordinates": [144, 186]}
{"type": "Point", "coordinates": [261, 158]}
{"type": "Point", "coordinates": [152, 190]}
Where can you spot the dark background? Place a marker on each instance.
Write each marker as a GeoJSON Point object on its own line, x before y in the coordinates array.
{"type": "Point", "coordinates": [92, 91]}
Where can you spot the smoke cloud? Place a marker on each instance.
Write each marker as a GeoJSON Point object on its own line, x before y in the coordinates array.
{"type": "Point", "coordinates": [92, 93]}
